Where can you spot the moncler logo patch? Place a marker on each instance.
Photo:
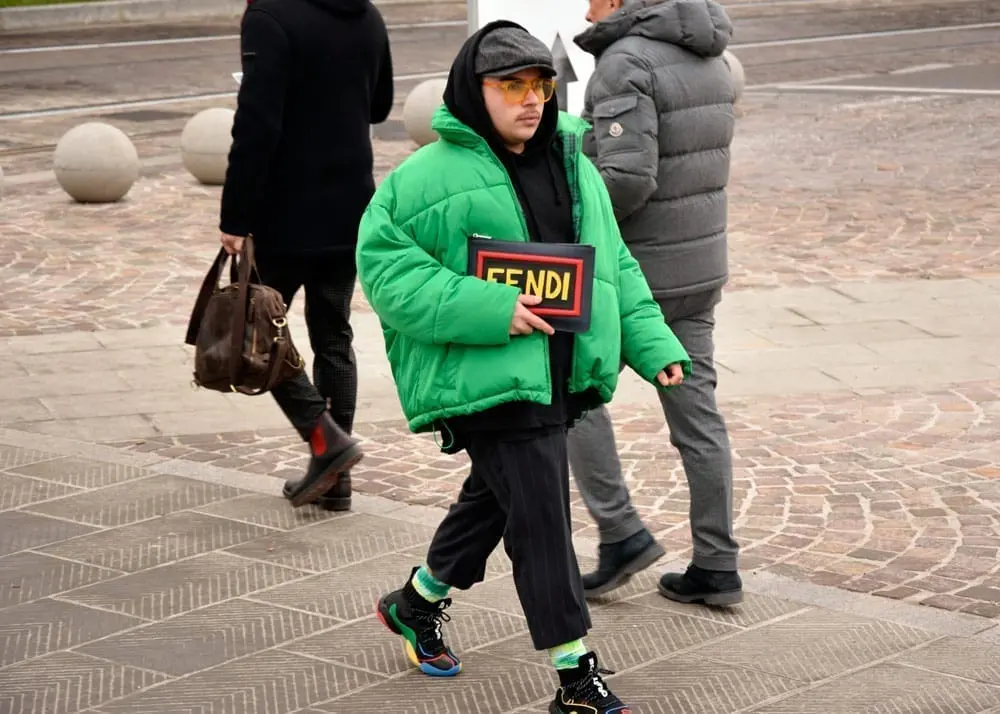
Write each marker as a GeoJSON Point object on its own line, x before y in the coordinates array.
{"type": "Point", "coordinates": [616, 130]}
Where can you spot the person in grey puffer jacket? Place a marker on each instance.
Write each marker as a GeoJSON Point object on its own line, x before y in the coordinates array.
{"type": "Point", "coordinates": [660, 102]}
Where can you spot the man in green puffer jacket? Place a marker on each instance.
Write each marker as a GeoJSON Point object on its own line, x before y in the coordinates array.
{"type": "Point", "coordinates": [473, 362]}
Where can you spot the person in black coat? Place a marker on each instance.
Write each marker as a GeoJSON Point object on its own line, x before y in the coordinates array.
{"type": "Point", "coordinates": [316, 75]}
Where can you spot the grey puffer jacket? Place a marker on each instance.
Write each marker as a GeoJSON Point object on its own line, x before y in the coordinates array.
{"type": "Point", "coordinates": [660, 101]}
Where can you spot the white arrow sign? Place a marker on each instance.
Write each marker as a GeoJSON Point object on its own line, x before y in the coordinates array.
{"type": "Point", "coordinates": [554, 22]}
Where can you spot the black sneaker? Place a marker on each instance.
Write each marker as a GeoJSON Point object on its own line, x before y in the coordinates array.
{"type": "Point", "coordinates": [418, 622]}
{"type": "Point", "coordinates": [618, 562]}
{"type": "Point", "coordinates": [337, 498]}
{"type": "Point", "coordinates": [711, 587]}
{"type": "Point", "coordinates": [583, 691]}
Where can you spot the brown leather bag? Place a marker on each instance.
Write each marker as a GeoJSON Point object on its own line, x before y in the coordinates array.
{"type": "Point", "coordinates": [240, 332]}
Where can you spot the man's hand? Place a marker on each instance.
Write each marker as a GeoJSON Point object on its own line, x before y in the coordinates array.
{"type": "Point", "coordinates": [671, 376]}
{"type": "Point", "coordinates": [524, 321]}
{"type": "Point", "coordinates": [232, 244]}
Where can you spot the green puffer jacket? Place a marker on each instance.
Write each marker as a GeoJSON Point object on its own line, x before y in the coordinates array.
{"type": "Point", "coordinates": [447, 333]}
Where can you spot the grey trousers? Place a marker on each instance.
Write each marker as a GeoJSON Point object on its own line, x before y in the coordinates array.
{"type": "Point", "coordinates": [697, 431]}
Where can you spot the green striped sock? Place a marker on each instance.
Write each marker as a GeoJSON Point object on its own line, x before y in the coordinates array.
{"type": "Point", "coordinates": [567, 656]}
{"type": "Point", "coordinates": [428, 587]}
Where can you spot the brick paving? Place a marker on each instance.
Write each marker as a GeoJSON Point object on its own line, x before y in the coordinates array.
{"type": "Point", "coordinates": [887, 190]}
{"type": "Point", "coordinates": [896, 492]}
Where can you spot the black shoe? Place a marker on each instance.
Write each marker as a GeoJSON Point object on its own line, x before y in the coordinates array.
{"type": "Point", "coordinates": [337, 498]}
{"type": "Point", "coordinates": [418, 622]}
{"type": "Point", "coordinates": [333, 453]}
{"type": "Point", "coordinates": [711, 587]}
{"type": "Point", "coordinates": [583, 691]}
{"type": "Point", "coordinates": [618, 562]}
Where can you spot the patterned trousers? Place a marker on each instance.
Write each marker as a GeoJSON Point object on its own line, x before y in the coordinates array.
{"type": "Point", "coordinates": [329, 285]}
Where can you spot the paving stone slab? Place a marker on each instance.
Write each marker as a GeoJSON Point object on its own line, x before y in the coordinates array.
{"type": "Point", "coordinates": [13, 456]}
{"type": "Point", "coordinates": [685, 684]}
{"type": "Point", "coordinates": [30, 576]}
{"type": "Point", "coordinates": [367, 644]}
{"type": "Point", "coordinates": [815, 645]}
{"type": "Point", "coordinates": [863, 332]}
{"type": "Point", "coordinates": [626, 636]}
{"type": "Point", "coordinates": [347, 593]}
{"type": "Point", "coordinates": [754, 610]}
{"type": "Point", "coordinates": [891, 688]}
{"type": "Point", "coordinates": [267, 511]}
{"type": "Point", "coordinates": [335, 543]}
{"type": "Point", "coordinates": [20, 530]}
{"type": "Point", "coordinates": [208, 637]}
{"type": "Point", "coordinates": [44, 626]}
{"type": "Point", "coordinates": [264, 683]}
{"type": "Point", "coordinates": [959, 657]}
{"type": "Point", "coordinates": [182, 586]}
{"type": "Point", "coordinates": [17, 491]}
{"type": "Point", "coordinates": [487, 685]}
{"type": "Point", "coordinates": [81, 473]}
{"type": "Point", "coordinates": [156, 541]}
{"type": "Point", "coordinates": [64, 683]}
{"type": "Point", "coordinates": [135, 501]}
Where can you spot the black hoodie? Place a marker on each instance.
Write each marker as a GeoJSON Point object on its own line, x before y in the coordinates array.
{"type": "Point", "coordinates": [539, 177]}
{"type": "Point", "coordinates": [317, 74]}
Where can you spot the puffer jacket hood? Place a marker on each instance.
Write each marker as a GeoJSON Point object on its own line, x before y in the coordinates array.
{"type": "Point", "coordinates": [700, 26]}
{"type": "Point", "coordinates": [342, 7]}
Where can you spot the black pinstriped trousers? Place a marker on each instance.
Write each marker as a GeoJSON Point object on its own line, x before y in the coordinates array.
{"type": "Point", "coordinates": [518, 490]}
{"type": "Point", "coordinates": [329, 286]}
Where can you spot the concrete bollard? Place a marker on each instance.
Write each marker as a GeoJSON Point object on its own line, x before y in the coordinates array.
{"type": "Point", "coordinates": [736, 69]}
{"type": "Point", "coordinates": [96, 163]}
{"type": "Point", "coordinates": [419, 108]}
{"type": "Point", "coordinates": [205, 144]}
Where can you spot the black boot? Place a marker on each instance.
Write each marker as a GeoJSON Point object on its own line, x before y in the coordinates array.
{"type": "Point", "coordinates": [618, 562]}
{"type": "Point", "coordinates": [711, 587]}
{"type": "Point", "coordinates": [583, 691]}
{"type": "Point", "coordinates": [337, 498]}
{"type": "Point", "coordinates": [333, 453]}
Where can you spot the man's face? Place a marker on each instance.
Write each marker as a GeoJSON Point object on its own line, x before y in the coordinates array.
{"type": "Point", "coordinates": [515, 103]}
{"type": "Point", "coordinates": [600, 9]}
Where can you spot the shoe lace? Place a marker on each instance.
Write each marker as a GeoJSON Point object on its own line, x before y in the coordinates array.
{"type": "Point", "coordinates": [429, 635]}
{"type": "Point", "coordinates": [592, 689]}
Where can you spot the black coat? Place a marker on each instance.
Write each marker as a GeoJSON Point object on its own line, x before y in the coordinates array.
{"type": "Point", "coordinates": [316, 75]}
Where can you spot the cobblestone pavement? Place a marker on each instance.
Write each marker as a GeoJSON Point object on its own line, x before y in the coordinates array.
{"type": "Point", "coordinates": [144, 584]}
{"type": "Point", "coordinates": [823, 190]}
{"type": "Point", "coordinates": [896, 492]}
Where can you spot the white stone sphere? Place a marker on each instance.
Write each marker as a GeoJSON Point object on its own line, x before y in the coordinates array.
{"type": "Point", "coordinates": [205, 144]}
{"type": "Point", "coordinates": [735, 69]}
{"type": "Point", "coordinates": [419, 108]}
{"type": "Point", "coordinates": [96, 163]}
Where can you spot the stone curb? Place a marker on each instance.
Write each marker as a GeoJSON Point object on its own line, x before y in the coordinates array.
{"type": "Point", "coordinates": [67, 15]}
{"type": "Point", "coordinates": [940, 622]}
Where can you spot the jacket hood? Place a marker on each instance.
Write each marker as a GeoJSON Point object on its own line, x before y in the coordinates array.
{"type": "Point", "coordinates": [700, 26]}
{"type": "Point", "coordinates": [463, 97]}
{"type": "Point", "coordinates": [342, 7]}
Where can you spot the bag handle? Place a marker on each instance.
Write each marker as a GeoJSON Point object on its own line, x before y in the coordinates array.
{"type": "Point", "coordinates": [239, 326]}
{"type": "Point", "coordinates": [208, 288]}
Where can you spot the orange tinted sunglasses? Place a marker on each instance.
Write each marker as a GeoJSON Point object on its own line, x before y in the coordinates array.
{"type": "Point", "coordinates": [515, 91]}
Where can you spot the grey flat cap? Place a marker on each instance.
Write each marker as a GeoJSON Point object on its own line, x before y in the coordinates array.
{"type": "Point", "coordinates": [509, 50]}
